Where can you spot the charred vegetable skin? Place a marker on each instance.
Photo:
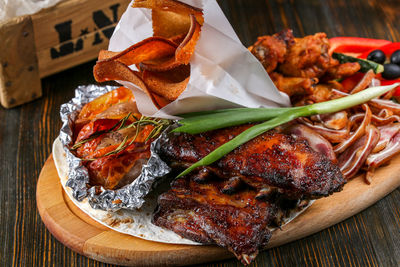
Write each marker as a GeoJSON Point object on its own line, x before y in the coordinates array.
{"type": "Point", "coordinates": [113, 139]}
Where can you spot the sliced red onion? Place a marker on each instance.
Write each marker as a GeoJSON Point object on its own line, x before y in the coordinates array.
{"type": "Point", "coordinates": [375, 82]}
{"type": "Point", "coordinates": [333, 136]}
{"type": "Point", "coordinates": [387, 132]}
{"type": "Point", "coordinates": [385, 104]}
{"type": "Point", "coordinates": [383, 121]}
{"type": "Point", "coordinates": [315, 140]}
{"type": "Point", "coordinates": [384, 113]}
{"type": "Point", "coordinates": [335, 121]}
{"type": "Point", "coordinates": [357, 134]}
{"type": "Point", "coordinates": [353, 158]}
{"type": "Point", "coordinates": [391, 149]}
{"type": "Point", "coordinates": [364, 83]}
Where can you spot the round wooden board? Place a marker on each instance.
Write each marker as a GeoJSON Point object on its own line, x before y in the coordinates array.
{"type": "Point", "coordinates": [82, 234]}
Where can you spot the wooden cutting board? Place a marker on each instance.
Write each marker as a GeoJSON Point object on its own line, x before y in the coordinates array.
{"type": "Point", "coordinates": [82, 234]}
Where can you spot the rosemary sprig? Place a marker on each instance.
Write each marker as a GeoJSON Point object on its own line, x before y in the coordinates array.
{"type": "Point", "coordinates": [120, 148]}
{"type": "Point", "coordinates": [80, 143]}
{"type": "Point", "coordinates": [121, 124]}
{"type": "Point", "coordinates": [123, 121]}
{"type": "Point", "coordinates": [159, 125]}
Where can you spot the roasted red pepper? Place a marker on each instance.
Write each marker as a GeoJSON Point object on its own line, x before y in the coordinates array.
{"type": "Point", "coordinates": [350, 82]}
{"type": "Point", "coordinates": [355, 45]}
{"type": "Point", "coordinates": [389, 82]}
{"type": "Point", "coordinates": [388, 49]}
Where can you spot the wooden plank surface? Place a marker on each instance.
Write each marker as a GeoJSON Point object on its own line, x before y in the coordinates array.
{"type": "Point", "coordinates": [370, 238]}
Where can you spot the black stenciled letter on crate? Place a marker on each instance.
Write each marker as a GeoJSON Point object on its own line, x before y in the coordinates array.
{"type": "Point", "coordinates": [64, 30]}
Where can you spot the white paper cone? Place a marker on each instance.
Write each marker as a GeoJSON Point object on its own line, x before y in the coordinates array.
{"type": "Point", "coordinates": [224, 74]}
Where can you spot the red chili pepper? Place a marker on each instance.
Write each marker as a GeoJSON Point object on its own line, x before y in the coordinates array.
{"type": "Point", "coordinates": [388, 49]}
{"type": "Point", "coordinates": [355, 45]}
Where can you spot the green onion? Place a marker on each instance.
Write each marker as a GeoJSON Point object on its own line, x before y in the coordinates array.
{"type": "Point", "coordinates": [211, 121]}
{"type": "Point", "coordinates": [199, 122]}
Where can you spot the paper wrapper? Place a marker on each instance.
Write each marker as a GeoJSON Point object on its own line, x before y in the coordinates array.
{"type": "Point", "coordinates": [224, 74]}
{"type": "Point", "coordinates": [14, 8]}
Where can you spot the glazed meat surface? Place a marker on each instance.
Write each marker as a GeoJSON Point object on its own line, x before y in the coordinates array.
{"type": "Point", "coordinates": [293, 85]}
{"type": "Point", "coordinates": [202, 213]}
{"type": "Point", "coordinates": [271, 50]}
{"type": "Point", "coordinates": [296, 64]}
{"type": "Point", "coordinates": [271, 160]}
{"type": "Point", "coordinates": [308, 57]}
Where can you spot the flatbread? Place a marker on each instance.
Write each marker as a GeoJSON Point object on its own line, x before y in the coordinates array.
{"type": "Point", "coordinates": [131, 222]}
{"type": "Point", "coordinates": [136, 223]}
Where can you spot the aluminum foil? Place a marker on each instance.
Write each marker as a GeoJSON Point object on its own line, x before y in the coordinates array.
{"type": "Point", "coordinates": [128, 197]}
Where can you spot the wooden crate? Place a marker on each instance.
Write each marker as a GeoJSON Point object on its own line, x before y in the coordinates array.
{"type": "Point", "coordinates": [52, 40]}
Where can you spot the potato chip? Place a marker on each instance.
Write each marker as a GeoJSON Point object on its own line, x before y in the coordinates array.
{"type": "Point", "coordinates": [163, 27]}
{"type": "Point", "coordinates": [163, 64]}
{"type": "Point", "coordinates": [186, 49]}
{"type": "Point", "coordinates": [148, 49]}
{"type": "Point", "coordinates": [160, 101]}
{"type": "Point", "coordinates": [183, 53]}
{"type": "Point", "coordinates": [170, 17]}
{"type": "Point", "coordinates": [177, 39]}
{"type": "Point", "coordinates": [169, 84]}
{"type": "Point", "coordinates": [171, 6]}
{"type": "Point", "coordinates": [162, 60]}
{"type": "Point", "coordinates": [115, 70]}
{"type": "Point", "coordinates": [105, 54]}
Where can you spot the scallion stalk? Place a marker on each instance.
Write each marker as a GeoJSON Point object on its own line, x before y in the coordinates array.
{"type": "Point", "coordinates": [212, 121]}
{"type": "Point", "coordinates": [199, 122]}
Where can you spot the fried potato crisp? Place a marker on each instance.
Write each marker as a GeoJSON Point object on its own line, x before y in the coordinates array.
{"type": "Point", "coordinates": [162, 60]}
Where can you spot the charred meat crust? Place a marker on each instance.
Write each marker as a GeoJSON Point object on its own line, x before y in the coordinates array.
{"type": "Point", "coordinates": [234, 202]}
{"type": "Point", "coordinates": [269, 160]}
{"type": "Point", "coordinates": [202, 213]}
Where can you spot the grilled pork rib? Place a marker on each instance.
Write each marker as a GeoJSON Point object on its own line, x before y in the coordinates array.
{"type": "Point", "coordinates": [271, 160]}
{"type": "Point", "coordinates": [234, 201]}
{"type": "Point", "coordinates": [202, 213]}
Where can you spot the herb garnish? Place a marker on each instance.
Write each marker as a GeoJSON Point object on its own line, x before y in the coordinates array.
{"type": "Point", "coordinates": [139, 123]}
{"type": "Point", "coordinates": [199, 122]}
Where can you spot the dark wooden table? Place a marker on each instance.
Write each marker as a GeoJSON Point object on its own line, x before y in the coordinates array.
{"type": "Point", "coordinates": [26, 134]}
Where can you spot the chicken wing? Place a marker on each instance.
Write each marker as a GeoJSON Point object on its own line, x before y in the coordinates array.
{"type": "Point", "coordinates": [271, 50]}
{"type": "Point", "coordinates": [293, 85]}
{"type": "Point", "coordinates": [307, 57]}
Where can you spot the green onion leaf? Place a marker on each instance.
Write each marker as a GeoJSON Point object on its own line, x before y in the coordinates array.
{"type": "Point", "coordinates": [210, 122]}
{"type": "Point", "coordinates": [201, 122]}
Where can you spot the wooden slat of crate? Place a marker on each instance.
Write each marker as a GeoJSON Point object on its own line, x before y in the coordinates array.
{"type": "Point", "coordinates": [78, 30]}
{"type": "Point", "coordinates": [19, 74]}
{"type": "Point", "coordinates": [50, 41]}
